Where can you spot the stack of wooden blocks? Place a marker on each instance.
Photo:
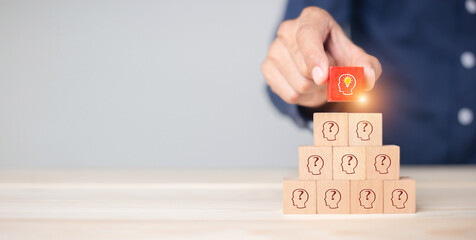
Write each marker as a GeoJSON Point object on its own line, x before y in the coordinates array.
{"type": "Point", "coordinates": [348, 170]}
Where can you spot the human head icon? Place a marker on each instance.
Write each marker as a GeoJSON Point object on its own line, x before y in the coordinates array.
{"type": "Point", "coordinates": [330, 130]}
{"type": "Point", "coordinates": [332, 198]}
{"type": "Point", "coordinates": [364, 129]}
{"type": "Point", "coordinates": [300, 197]}
{"type": "Point", "coordinates": [346, 84]}
{"type": "Point", "coordinates": [382, 163]}
{"type": "Point", "coordinates": [399, 198]}
{"type": "Point", "coordinates": [349, 163]}
{"type": "Point", "coordinates": [315, 164]}
{"type": "Point", "coordinates": [367, 198]}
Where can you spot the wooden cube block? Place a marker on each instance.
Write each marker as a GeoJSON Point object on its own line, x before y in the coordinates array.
{"type": "Point", "coordinates": [399, 195]}
{"type": "Point", "coordinates": [315, 163]}
{"type": "Point", "coordinates": [299, 196]}
{"type": "Point", "coordinates": [348, 163]}
{"type": "Point", "coordinates": [345, 84]}
{"type": "Point", "coordinates": [366, 196]}
{"type": "Point", "coordinates": [333, 197]}
{"type": "Point", "coordinates": [365, 129]}
{"type": "Point", "coordinates": [331, 129]}
{"type": "Point", "coordinates": [382, 162]}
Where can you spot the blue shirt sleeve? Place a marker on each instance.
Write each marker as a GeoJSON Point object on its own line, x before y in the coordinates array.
{"type": "Point", "coordinates": [426, 91]}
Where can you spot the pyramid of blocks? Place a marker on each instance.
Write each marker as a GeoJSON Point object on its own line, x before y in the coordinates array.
{"type": "Point", "coordinates": [348, 170]}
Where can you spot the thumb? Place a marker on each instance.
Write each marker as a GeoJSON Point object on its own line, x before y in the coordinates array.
{"type": "Point", "coordinates": [313, 29]}
{"type": "Point", "coordinates": [346, 53]}
{"type": "Point", "coordinates": [372, 68]}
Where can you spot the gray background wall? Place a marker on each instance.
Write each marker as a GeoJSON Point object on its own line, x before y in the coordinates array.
{"type": "Point", "coordinates": [139, 84]}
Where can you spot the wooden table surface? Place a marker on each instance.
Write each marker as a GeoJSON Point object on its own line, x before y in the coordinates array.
{"type": "Point", "coordinates": [215, 204]}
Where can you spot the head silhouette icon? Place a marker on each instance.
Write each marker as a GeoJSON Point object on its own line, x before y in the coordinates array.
{"type": "Point", "coordinates": [367, 198]}
{"type": "Point", "coordinates": [332, 198]}
{"type": "Point", "coordinates": [314, 164]}
{"type": "Point", "coordinates": [300, 197]}
{"type": "Point", "coordinates": [364, 129]}
{"type": "Point", "coordinates": [330, 130]}
{"type": "Point", "coordinates": [348, 163]}
{"type": "Point", "coordinates": [346, 84]}
{"type": "Point", "coordinates": [399, 198]}
{"type": "Point", "coordinates": [382, 163]}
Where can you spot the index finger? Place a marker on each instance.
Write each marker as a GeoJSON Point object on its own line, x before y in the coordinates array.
{"type": "Point", "coordinates": [313, 28]}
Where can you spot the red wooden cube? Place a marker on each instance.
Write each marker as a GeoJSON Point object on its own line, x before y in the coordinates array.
{"type": "Point", "coordinates": [345, 84]}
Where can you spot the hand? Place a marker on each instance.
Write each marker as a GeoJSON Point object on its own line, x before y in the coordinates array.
{"type": "Point", "coordinates": [296, 67]}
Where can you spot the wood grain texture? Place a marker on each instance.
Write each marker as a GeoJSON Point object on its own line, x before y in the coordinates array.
{"type": "Point", "coordinates": [333, 197]}
{"type": "Point", "coordinates": [399, 196]}
{"type": "Point", "coordinates": [365, 129]}
{"type": "Point", "coordinates": [382, 162]}
{"type": "Point", "coordinates": [348, 163]}
{"type": "Point", "coordinates": [366, 196]}
{"type": "Point", "coordinates": [299, 196]}
{"type": "Point", "coordinates": [315, 163]}
{"type": "Point", "coordinates": [215, 204]}
{"type": "Point", "coordinates": [331, 129]}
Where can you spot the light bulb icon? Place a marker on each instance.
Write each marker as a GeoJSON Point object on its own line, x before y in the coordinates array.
{"type": "Point", "coordinates": [347, 84]}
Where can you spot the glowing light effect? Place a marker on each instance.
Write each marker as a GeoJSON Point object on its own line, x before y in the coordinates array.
{"type": "Point", "coordinates": [363, 99]}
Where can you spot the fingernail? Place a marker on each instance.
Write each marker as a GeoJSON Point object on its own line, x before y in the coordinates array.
{"type": "Point", "coordinates": [318, 75]}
